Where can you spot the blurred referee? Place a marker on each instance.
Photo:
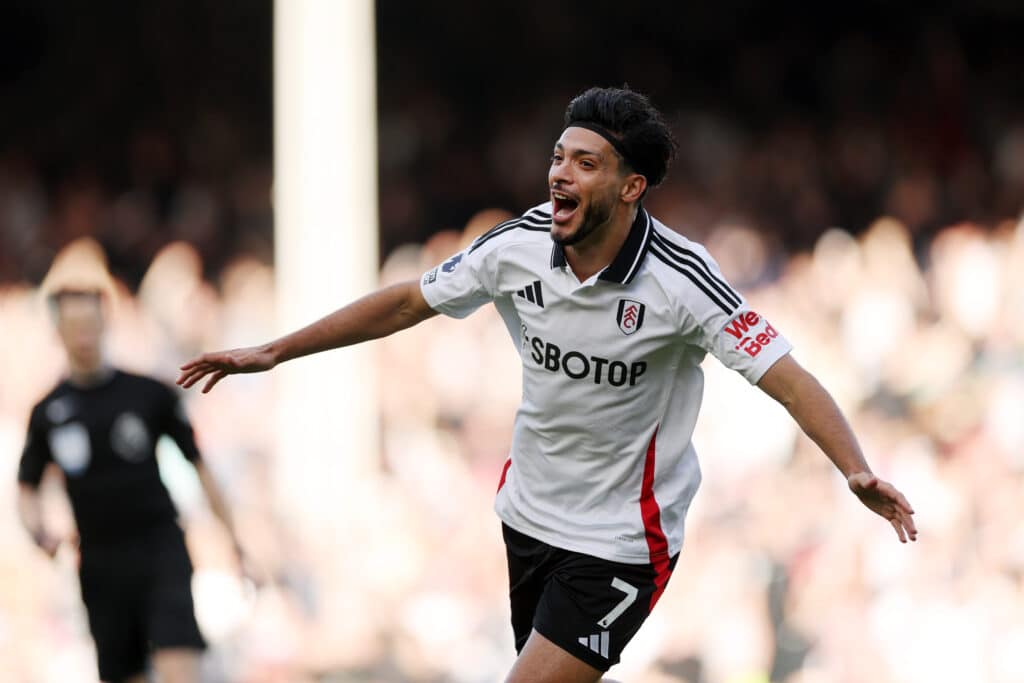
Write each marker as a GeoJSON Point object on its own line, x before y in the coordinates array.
{"type": "Point", "coordinates": [100, 427]}
{"type": "Point", "coordinates": [612, 313]}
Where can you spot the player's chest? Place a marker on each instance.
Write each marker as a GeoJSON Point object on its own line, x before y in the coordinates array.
{"type": "Point", "coordinates": [86, 432]}
{"type": "Point", "coordinates": [597, 319]}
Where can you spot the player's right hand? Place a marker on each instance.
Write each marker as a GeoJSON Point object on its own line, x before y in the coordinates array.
{"type": "Point", "coordinates": [219, 364]}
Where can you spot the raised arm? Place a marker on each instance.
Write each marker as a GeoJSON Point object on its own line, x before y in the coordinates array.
{"type": "Point", "coordinates": [376, 315]}
{"type": "Point", "coordinates": [820, 418]}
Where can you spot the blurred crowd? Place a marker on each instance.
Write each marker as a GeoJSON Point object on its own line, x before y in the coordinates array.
{"type": "Point", "coordinates": [794, 118]}
{"type": "Point", "coordinates": [220, 205]}
{"type": "Point", "coordinates": [784, 576]}
{"type": "Point", "coordinates": [136, 124]}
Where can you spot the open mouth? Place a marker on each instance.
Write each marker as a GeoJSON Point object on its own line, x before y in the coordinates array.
{"type": "Point", "coordinates": [563, 206]}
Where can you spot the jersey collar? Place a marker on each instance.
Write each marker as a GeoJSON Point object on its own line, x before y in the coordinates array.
{"type": "Point", "coordinates": [626, 263]}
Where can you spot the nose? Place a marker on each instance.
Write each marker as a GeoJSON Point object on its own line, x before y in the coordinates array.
{"type": "Point", "coordinates": [559, 174]}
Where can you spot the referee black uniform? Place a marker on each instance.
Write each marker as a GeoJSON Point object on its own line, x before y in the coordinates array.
{"type": "Point", "coordinates": [135, 570]}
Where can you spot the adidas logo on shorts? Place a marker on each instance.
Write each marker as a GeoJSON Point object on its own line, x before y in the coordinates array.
{"type": "Point", "coordinates": [596, 643]}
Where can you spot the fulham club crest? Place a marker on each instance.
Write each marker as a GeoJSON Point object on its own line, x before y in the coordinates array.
{"type": "Point", "coordinates": [630, 315]}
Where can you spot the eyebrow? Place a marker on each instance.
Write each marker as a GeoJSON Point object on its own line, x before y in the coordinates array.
{"type": "Point", "coordinates": [579, 152]}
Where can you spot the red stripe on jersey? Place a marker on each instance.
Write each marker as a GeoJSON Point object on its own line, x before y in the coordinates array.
{"type": "Point", "coordinates": [504, 471]}
{"type": "Point", "coordinates": [657, 545]}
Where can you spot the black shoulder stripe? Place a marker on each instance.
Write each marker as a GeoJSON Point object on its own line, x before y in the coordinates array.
{"type": "Point", "coordinates": [537, 222]}
{"type": "Point", "coordinates": [494, 230]}
{"type": "Point", "coordinates": [691, 258]}
{"type": "Point", "coordinates": [501, 229]}
{"type": "Point", "coordinates": [681, 253]}
{"type": "Point", "coordinates": [535, 216]}
{"type": "Point", "coordinates": [688, 271]}
{"type": "Point", "coordinates": [498, 227]}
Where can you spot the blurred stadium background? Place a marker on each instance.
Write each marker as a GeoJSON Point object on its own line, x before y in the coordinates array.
{"type": "Point", "coordinates": [858, 170]}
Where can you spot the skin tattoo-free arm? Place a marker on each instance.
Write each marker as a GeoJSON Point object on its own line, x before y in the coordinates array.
{"type": "Point", "coordinates": [820, 418]}
{"type": "Point", "coordinates": [376, 315]}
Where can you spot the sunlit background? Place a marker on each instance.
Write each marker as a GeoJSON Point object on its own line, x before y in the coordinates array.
{"type": "Point", "coordinates": [859, 174]}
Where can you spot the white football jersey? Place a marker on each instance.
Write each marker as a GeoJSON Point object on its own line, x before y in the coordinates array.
{"type": "Point", "coordinates": [602, 461]}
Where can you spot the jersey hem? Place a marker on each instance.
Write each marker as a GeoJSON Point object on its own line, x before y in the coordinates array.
{"type": "Point", "coordinates": [434, 304]}
{"type": "Point", "coordinates": [583, 548]}
{"type": "Point", "coordinates": [756, 373]}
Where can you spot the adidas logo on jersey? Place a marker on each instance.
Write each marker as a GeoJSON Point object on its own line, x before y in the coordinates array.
{"type": "Point", "coordinates": [596, 643]}
{"type": "Point", "coordinates": [532, 294]}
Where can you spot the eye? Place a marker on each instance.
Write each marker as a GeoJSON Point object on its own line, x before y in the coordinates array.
{"type": "Point", "coordinates": [587, 164]}
{"type": "Point", "coordinates": [556, 158]}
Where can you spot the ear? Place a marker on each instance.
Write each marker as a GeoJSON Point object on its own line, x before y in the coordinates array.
{"type": "Point", "coordinates": [633, 187]}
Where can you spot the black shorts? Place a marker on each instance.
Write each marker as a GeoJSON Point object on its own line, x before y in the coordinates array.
{"type": "Point", "coordinates": [587, 606]}
{"type": "Point", "coordinates": [138, 594]}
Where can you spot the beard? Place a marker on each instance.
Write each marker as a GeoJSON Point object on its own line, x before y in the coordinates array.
{"type": "Point", "coordinates": [596, 215]}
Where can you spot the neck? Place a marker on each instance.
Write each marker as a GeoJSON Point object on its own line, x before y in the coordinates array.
{"type": "Point", "coordinates": [88, 374]}
{"type": "Point", "coordinates": [599, 249]}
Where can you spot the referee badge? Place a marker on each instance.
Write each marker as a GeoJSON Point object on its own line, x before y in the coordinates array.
{"type": "Point", "coordinates": [630, 316]}
{"type": "Point", "coordinates": [70, 447]}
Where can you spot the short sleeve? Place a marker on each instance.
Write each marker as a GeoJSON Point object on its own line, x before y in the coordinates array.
{"type": "Point", "coordinates": [461, 284]}
{"type": "Point", "coordinates": [36, 454]}
{"type": "Point", "coordinates": [748, 344]}
{"type": "Point", "coordinates": [722, 322]}
{"type": "Point", "coordinates": [177, 425]}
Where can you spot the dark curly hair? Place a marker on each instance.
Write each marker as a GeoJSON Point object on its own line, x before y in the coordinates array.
{"type": "Point", "coordinates": [645, 140]}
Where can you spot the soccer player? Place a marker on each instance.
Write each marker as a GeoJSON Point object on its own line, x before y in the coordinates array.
{"type": "Point", "coordinates": [100, 426]}
{"type": "Point", "coordinates": [611, 313]}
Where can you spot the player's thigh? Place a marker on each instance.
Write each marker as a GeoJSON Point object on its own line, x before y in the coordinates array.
{"type": "Point", "coordinates": [528, 562]}
{"type": "Point", "coordinates": [542, 661]}
{"type": "Point", "coordinates": [170, 619]}
{"type": "Point", "coordinates": [592, 607]}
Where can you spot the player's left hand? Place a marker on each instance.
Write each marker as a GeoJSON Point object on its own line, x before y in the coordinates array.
{"type": "Point", "coordinates": [884, 499]}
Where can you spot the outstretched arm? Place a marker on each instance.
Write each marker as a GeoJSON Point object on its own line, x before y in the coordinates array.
{"type": "Point", "coordinates": [820, 418]}
{"type": "Point", "coordinates": [376, 315]}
